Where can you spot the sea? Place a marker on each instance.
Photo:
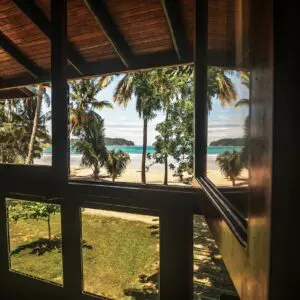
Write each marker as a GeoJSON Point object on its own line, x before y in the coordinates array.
{"type": "Point", "coordinates": [211, 150]}
{"type": "Point", "coordinates": [135, 153]}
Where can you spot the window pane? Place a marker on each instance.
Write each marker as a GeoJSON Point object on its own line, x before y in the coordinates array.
{"type": "Point", "coordinates": [35, 239]}
{"type": "Point", "coordinates": [120, 253]}
{"type": "Point", "coordinates": [25, 126]}
{"type": "Point", "coordinates": [228, 127]}
{"type": "Point", "coordinates": [211, 278]}
{"type": "Point", "coordinates": [145, 136]}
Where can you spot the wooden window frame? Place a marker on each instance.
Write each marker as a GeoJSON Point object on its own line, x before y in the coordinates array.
{"type": "Point", "coordinates": [174, 206]}
{"type": "Point", "coordinates": [233, 217]}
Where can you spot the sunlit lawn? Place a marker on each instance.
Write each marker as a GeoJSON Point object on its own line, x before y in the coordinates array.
{"type": "Point", "coordinates": [118, 254]}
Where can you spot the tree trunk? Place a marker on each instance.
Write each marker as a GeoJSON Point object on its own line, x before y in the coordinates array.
{"type": "Point", "coordinates": [49, 228]}
{"type": "Point", "coordinates": [166, 170]}
{"type": "Point", "coordinates": [29, 159]}
{"type": "Point", "coordinates": [96, 172]}
{"type": "Point", "coordinates": [166, 139]}
{"type": "Point", "coordinates": [233, 181]}
{"type": "Point", "coordinates": [144, 151]}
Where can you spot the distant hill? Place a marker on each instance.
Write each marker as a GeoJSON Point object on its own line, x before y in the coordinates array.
{"type": "Point", "coordinates": [228, 142]}
{"type": "Point", "coordinates": [111, 142]}
{"type": "Point", "coordinates": [118, 142]}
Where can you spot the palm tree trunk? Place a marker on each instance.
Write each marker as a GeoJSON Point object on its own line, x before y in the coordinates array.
{"type": "Point", "coordinates": [96, 172]}
{"type": "Point", "coordinates": [29, 159]}
{"type": "Point", "coordinates": [145, 129]}
{"type": "Point", "coordinates": [166, 170]}
{"type": "Point", "coordinates": [233, 181]}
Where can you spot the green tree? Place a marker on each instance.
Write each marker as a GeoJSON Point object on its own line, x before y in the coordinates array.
{"type": "Point", "coordinates": [83, 101]}
{"type": "Point", "coordinates": [179, 125]}
{"type": "Point", "coordinates": [140, 86]}
{"type": "Point", "coordinates": [23, 210]}
{"type": "Point", "coordinates": [91, 144]}
{"type": "Point", "coordinates": [17, 121]}
{"type": "Point", "coordinates": [230, 164]}
{"type": "Point", "coordinates": [167, 88]}
{"type": "Point", "coordinates": [116, 163]}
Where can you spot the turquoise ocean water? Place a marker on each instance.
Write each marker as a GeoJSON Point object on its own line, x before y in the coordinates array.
{"type": "Point", "coordinates": [138, 149]}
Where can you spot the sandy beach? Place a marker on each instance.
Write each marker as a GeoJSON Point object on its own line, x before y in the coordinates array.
{"type": "Point", "coordinates": [155, 175]}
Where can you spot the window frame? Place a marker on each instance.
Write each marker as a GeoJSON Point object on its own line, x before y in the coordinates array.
{"type": "Point", "coordinates": [175, 206]}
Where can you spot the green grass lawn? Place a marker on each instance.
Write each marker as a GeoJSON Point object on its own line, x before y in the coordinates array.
{"type": "Point", "coordinates": [120, 257]}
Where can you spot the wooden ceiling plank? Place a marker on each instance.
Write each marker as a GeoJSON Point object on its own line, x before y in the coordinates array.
{"type": "Point", "coordinates": [108, 26]}
{"type": "Point", "coordinates": [34, 70]}
{"type": "Point", "coordinates": [37, 16]}
{"type": "Point", "coordinates": [175, 22]}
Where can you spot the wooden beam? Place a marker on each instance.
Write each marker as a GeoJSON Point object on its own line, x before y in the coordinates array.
{"type": "Point", "coordinates": [110, 29]}
{"type": "Point", "coordinates": [113, 66]}
{"type": "Point", "coordinates": [35, 14]}
{"type": "Point", "coordinates": [34, 70]}
{"type": "Point", "coordinates": [200, 81]}
{"type": "Point", "coordinates": [173, 15]}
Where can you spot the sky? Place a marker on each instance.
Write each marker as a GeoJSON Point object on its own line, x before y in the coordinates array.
{"type": "Point", "coordinates": [120, 122]}
{"type": "Point", "coordinates": [223, 122]}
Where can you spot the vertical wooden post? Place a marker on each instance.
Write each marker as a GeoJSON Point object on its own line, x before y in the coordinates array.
{"type": "Point", "coordinates": [59, 91]}
{"type": "Point", "coordinates": [69, 211]}
{"type": "Point", "coordinates": [4, 255]}
{"type": "Point", "coordinates": [176, 254]}
{"type": "Point", "coordinates": [200, 81]}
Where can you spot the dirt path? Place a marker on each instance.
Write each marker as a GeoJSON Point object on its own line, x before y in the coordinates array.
{"type": "Point", "coordinates": [121, 215]}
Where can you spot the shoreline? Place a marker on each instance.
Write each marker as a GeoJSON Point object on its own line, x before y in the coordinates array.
{"type": "Point", "coordinates": [155, 174]}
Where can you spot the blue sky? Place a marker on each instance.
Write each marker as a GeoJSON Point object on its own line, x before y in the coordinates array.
{"type": "Point", "coordinates": [120, 122]}
{"type": "Point", "coordinates": [223, 122]}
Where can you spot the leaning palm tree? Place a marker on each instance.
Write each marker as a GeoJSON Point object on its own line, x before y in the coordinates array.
{"type": "Point", "coordinates": [230, 164]}
{"type": "Point", "coordinates": [40, 94]}
{"type": "Point", "coordinates": [91, 144]}
{"type": "Point", "coordinates": [23, 131]}
{"type": "Point", "coordinates": [116, 163]}
{"type": "Point", "coordinates": [83, 101]}
{"type": "Point", "coordinates": [139, 85]}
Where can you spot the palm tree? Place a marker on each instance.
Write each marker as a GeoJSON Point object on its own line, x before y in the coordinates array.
{"type": "Point", "coordinates": [245, 103]}
{"type": "Point", "coordinates": [230, 164]}
{"type": "Point", "coordinates": [219, 83]}
{"type": "Point", "coordinates": [83, 101]}
{"type": "Point", "coordinates": [116, 163]}
{"type": "Point", "coordinates": [176, 82]}
{"type": "Point", "coordinates": [139, 84]}
{"type": "Point", "coordinates": [40, 93]}
{"type": "Point", "coordinates": [18, 121]}
{"type": "Point", "coordinates": [91, 144]}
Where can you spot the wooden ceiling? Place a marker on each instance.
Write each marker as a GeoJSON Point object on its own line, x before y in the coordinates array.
{"type": "Point", "coordinates": [108, 36]}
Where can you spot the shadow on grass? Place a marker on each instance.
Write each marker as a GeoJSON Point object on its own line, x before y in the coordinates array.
{"type": "Point", "coordinates": [150, 290]}
{"type": "Point", "coordinates": [43, 245]}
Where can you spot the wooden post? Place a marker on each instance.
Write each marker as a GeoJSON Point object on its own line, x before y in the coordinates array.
{"type": "Point", "coordinates": [69, 211]}
{"type": "Point", "coordinates": [200, 81]}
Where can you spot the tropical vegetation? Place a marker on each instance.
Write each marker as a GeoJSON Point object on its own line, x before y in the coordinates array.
{"type": "Point", "coordinates": [230, 164]}
{"type": "Point", "coordinates": [116, 163]}
{"type": "Point", "coordinates": [24, 133]}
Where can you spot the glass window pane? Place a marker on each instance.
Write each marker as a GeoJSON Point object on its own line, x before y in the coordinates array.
{"type": "Point", "coordinates": [120, 253]}
{"type": "Point", "coordinates": [143, 137]}
{"type": "Point", "coordinates": [228, 127]}
{"type": "Point", "coordinates": [211, 278]}
{"type": "Point", "coordinates": [25, 126]}
{"type": "Point", "coordinates": [35, 239]}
